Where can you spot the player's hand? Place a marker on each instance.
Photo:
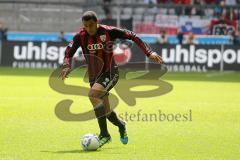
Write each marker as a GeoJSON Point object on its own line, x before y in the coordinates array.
{"type": "Point", "coordinates": [65, 71]}
{"type": "Point", "coordinates": [156, 58]}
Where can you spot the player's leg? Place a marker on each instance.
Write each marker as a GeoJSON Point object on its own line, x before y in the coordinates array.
{"type": "Point", "coordinates": [98, 91]}
{"type": "Point", "coordinates": [95, 96]}
{"type": "Point", "coordinates": [112, 117]}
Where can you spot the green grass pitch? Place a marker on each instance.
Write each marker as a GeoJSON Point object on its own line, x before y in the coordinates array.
{"type": "Point", "coordinates": [30, 130]}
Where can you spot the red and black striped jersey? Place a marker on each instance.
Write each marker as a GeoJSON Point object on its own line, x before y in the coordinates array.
{"type": "Point", "coordinates": [98, 49]}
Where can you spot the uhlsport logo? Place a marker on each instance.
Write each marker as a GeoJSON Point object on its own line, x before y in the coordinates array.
{"type": "Point", "coordinates": [38, 55]}
{"type": "Point", "coordinates": [208, 57]}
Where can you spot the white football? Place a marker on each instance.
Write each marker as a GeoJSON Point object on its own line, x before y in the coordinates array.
{"type": "Point", "coordinates": [90, 142]}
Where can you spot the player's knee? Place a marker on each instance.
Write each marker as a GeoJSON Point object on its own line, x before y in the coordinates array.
{"type": "Point", "coordinates": [93, 94]}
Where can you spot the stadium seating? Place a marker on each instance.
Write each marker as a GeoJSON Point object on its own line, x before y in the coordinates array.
{"type": "Point", "coordinates": [59, 15]}
{"type": "Point", "coordinates": [31, 15]}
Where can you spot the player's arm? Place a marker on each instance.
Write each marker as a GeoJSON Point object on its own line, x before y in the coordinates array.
{"type": "Point", "coordinates": [126, 34]}
{"type": "Point", "coordinates": [69, 52]}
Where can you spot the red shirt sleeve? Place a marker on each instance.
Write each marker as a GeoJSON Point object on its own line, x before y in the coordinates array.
{"type": "Point", "coordinates": [126, 34]}
{"type": "Point", "coordinates": [72, 48]}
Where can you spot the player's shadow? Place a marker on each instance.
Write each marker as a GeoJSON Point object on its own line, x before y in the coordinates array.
{"type": "Point", "coordinates": [77, 151]}
{"type": "Point", "coordinates": [69, 151]}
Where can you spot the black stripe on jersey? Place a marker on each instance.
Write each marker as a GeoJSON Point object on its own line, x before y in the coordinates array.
{"type": "Point", "coordinates": [86, 55]}
{"type": "Point", "coordinates": [88, 58]}
{"type": "Point", "coordinates": [96, 70]}
{"type": "Point", "coordinates": [109, 55]}
{"type": "Point", "coordinates": [104, 60]}
{"type": "Point", "coordinates": [91, 64]}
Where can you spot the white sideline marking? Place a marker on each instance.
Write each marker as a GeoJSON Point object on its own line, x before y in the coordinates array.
{"type": "Point", "coordinates": [219, 73]}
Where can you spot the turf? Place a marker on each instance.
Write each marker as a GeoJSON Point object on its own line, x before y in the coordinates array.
{"type": "Point", "coordinates": [29, 128]}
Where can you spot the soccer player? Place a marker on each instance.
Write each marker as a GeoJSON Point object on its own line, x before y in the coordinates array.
{"type": "Point", "coordinates": [96, 43]}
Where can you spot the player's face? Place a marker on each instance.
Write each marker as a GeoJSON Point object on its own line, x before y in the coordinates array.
{"type": "Point", "coordinates": [90, 26]}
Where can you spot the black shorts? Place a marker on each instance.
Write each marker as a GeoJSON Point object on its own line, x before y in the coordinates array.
{"type": "Point", "coordinates": [108, 81]}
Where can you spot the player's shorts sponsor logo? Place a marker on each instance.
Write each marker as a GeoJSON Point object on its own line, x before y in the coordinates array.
{"type": "Point", "coordinates": [93, 47]}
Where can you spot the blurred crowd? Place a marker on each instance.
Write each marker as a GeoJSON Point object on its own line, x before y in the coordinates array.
{"type": "Point", "coordinates": [219, 9]}
{"type": "Point", "coordinates": [190, 38]}
{"type": "Point", "coordinates": [184, 2]}
{"type": "Point", "coordinates": [222, 8]}
{"type": "Point", "coordinates": [3, 31]}
{"type": "Point", "coordinates": [190, 2]}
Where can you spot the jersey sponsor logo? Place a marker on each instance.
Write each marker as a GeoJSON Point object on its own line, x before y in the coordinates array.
{"type": "Point", "coordinates": [93, 47]}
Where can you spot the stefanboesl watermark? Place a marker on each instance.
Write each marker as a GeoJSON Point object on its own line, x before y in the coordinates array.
{"type": "Point", "coordinates": [158, 116]}
{"type": "Point", "coordinates": [123, 89]}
